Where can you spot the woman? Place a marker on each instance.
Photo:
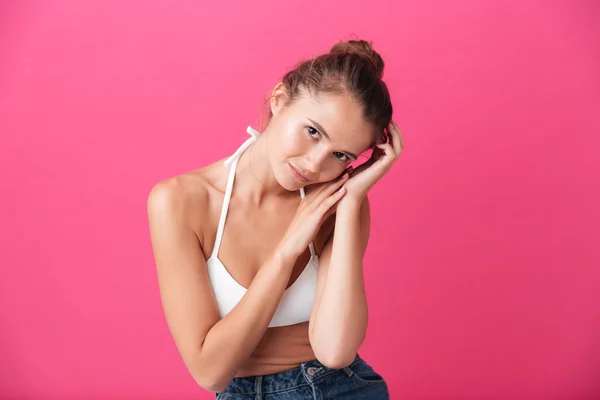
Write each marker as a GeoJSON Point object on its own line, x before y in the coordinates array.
{"type": "Point", "coordinates": [262, 287]}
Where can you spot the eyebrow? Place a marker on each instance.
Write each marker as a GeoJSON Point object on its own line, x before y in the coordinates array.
{"type": "Point", "coordinates": [320, 128]}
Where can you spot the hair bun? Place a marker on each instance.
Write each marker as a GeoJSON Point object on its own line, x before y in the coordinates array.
{"type": "Point", "coordinates": [363, 49]}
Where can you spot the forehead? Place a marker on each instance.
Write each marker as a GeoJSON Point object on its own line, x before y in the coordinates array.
{"type": "Point", "coordinates": [340, 115]}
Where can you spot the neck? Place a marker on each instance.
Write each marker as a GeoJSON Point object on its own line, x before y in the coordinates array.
{"type": "Point", "coordinates": [254, 175]}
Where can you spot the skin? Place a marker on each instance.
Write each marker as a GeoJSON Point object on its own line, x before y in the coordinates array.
{"type": "Point", "coordinates": [265, 238]}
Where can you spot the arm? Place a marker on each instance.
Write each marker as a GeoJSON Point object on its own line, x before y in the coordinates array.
{"type": "Point", "coordinates": [339, 317]}
{"type": "Point", "coordinates": [338, 321]}
{"type": "Point", "coordinates": [211, 348]}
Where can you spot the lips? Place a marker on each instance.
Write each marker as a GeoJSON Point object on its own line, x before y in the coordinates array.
{"type": "Point", "coordinates": [298, 174]}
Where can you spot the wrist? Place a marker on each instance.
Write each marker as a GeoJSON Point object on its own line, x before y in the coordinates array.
{"type": "Point", "coordinates": [350, 202]}
{"type": "Point", "coordinates": [285, 255]}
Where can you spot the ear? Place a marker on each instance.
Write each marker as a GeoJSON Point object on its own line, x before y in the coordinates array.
{"type": "Point", "coordinates": [278, 98]}
{"type": "Point", "coordinates": [382, 137]}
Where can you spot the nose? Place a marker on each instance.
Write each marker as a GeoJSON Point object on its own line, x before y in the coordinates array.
{"type": "Point", "coordinates": [314, 160]}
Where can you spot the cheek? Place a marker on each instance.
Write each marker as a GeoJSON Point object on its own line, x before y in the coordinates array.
{"type": "Point", "coordinates": [292, 144]}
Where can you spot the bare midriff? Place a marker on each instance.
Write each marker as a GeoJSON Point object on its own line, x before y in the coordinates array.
{"type": "Point", "coordinates": [281, 348]}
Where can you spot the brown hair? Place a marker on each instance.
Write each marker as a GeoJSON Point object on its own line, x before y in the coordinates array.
{"type": "Point", "coordinates": [351, 67]}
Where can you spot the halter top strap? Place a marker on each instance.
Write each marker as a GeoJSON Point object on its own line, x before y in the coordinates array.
{"type": "Point", "coordinates": [253, 136]}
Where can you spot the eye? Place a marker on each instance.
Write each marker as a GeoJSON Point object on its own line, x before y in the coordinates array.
{"type": "Point", "coordinates": [341, 156]}
{"type": "Point", "coordinates": [313, 132]}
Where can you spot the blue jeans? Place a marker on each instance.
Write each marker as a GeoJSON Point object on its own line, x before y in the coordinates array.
{"type": "Point", "coordinates": [311, 380]}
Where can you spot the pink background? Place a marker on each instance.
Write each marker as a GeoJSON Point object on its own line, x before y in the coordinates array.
{"type": "Point", "coordinates": [483, 272]}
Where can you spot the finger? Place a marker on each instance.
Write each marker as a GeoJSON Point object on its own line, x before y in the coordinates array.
{"type": "Point", "coordinates": [331, 210]}
{"type": "Point", "coordinates": [375, 156]}
{"type": "Point", "coordinates": [398, 139]}
{"type": "Point", "coordinates": [330, 189]}
{"type": "Point", "coordinates": [387, 149]}
{"type": "Point", "coordinates": [315, 191]}
{"type": "Point", "coordinates": [321, 187]}
{"type": "Point", "coordinates": [394, 141]}
{"type": "Point", "coordinates": [331, 200]}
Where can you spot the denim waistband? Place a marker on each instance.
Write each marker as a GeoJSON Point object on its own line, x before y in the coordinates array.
{"type": "Point", "coordinates": [302, 375]}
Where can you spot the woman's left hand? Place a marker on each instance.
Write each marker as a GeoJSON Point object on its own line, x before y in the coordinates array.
{"type": "Point", "coordinates": [384, 155]}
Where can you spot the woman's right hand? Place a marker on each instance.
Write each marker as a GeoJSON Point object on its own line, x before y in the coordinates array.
{"type": "Point", "coordinates": [314, 208]}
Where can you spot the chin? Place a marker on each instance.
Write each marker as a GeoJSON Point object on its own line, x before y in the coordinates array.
{"type": "Point", "coordinates": [287, 181]}
{"type": "Point", "coordinates": [290, 184]}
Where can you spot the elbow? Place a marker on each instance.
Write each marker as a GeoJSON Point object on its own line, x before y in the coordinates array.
{"type": "Point", "coordinates": [211, 383]}
{"type": "Point", "coordinates": [211, 379]}
{"type": "Point", "coordinates": [335, 359]}
{"type": "Point", "coordinates": [333, 352]}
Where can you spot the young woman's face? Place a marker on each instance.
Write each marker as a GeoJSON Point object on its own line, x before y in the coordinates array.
{"type": "Point", "coordinates": [315, 139]}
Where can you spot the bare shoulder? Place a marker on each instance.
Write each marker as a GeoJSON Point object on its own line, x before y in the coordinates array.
{"type": "Point", "coordinates": [174, 195]}
{"type": "Point", "coordinates": [186, 197]}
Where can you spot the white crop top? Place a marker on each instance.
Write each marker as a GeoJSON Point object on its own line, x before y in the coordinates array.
{"type": "Point", "coordinates": [297, 300]}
